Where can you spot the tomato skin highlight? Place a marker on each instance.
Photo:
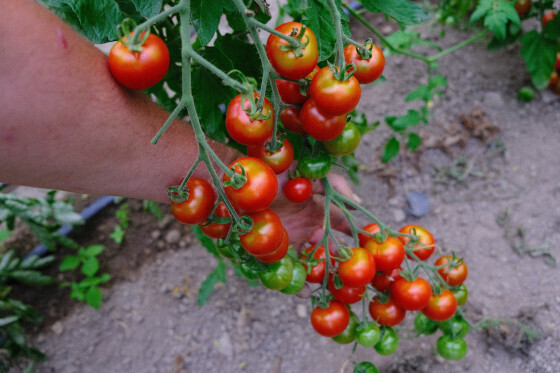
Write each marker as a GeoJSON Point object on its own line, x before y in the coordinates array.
{"type": "Point", "coordinates": [332, 96]}
{"type": "Point", "coordinates": [455, 276]}
{"type": "Point", "coordinates": [426, 244]}
{"type": "Point", "coordinates": [318, 125]}
{"type": "Point", "coordinates": [367, 70]}
{"type": "Point", "coordinates": [139, 70]}
{"type": "Point", "coordinates": [265, 236]}
{"type": "Point", "coordinates": [277, 254]}
{"type": "Point", "coordinates": [286, 63]}
{"type": "Point", "coordinates": [198, 206]}
{"type": "Point", "coordinates": [279, 161]}
{"type": "Point", "coordinates": [244, 130]}
{"type": "Point", "coordinates": [411, 295]}
{"type": "Point", "coordinates": [388, 254]}
{"type": "Point", "coordinates": [388, 313]}
{"type": "Point", "coordinates": [260, 189]}
{"type": "Point", "coordinates": [441, 307]}
{"type": "Point", "coordinates": [358, 270]}
{"type": "Point", "coordinates": [330, 321]}
{"type": "Point", "coordinates": [217, 230]}
{"type": "Point", "coordinates": [298, 190]}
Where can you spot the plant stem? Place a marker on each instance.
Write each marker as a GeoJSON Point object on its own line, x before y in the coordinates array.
{"type": "Point", "coordinates": [339, 46]}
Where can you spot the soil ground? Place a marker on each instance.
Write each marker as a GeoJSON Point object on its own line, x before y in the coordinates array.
{"type": "Point", "coordinates": [490, 167]}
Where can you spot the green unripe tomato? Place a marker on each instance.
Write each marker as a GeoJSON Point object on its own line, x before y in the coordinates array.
{"type": "Point", "coordinates": [388, 342]}
{"type": "Point", "coordinates": [298, 279]}
{"type": "Point", "coordinates": [451, 349]}
{"type": "Point", "coordinates": [348, 335]}
{"type": "Point", "coordinates": [346, 142]}
{"type": "Point", "coordinates": [365, 367]}
{"type": "Point", "coordinates": [368, 335]}
{"type": "Point", "coordinates": [278, 275]}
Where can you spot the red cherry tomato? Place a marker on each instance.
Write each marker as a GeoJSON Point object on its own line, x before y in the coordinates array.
{"type": "Point", "coordinates": [286, 62]}
{"type": "Point", "coordinates": [441, 307]}
{"type": "Point", "coordinates": [388, 313]}
{"type": "Point", "coordinates": [265, 236]}
{"type": "Point", "coordinates": [332, 96]}
{"type": "Point", "coordinates": [358, 270]}
{"type": "Point", "coordinates": [549, 15]}
{"type": "Point", "coordinates": [242, 128]}
{"type": "Point", "coordinates": [372, 228]}
{"type": "Point", "coordinates": [426, 244]}
{"type": "Point", "coordinates": [330, 321]}
{"type": "Point", "coordinates": [139, 70]}
{"type": "Point", "coordinates": [260, 189]}
{"type": "Point", "coordinates": [320, 126]}
{"type": "Point", "coordinates": [290, 118]}
{"type": "Point", "coordinates": [279, 161]}
{"type": "Point", "coordinates": [453, 276]}
{"type": "Point", "coordinates": [278, 253]}
{"type": "Point", "coordinates": [367, 70]}
{"type": "Point", "coordinates": [298, 190]}
{"type": "Point", "coordinates": [198, 206]}
{"type": "Point", "coordinates": [346, 294]}
{"type": "Point", "coordinates": [383, 280]}
{"type": "Point", "coordinates": [317, 272]}
{"type": "Point", "coordinates": [217, 230]}
{"type": "Point", "coordinates": [388, 254]}
{"type": "Point", "coordinates": [411, 295]}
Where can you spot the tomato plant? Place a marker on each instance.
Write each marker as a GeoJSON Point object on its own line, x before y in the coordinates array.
{"type": "Point", "coordinates": [388, 341]}
{"type": "Point", "coordinates": [298, 62]}
{"type": "Point", "coordinates": [265, 236]}
{"type": "Point", "coordinates": [320, 126]}
{"type": "Point", "coordinates": [388, 254]}
{"type": "Point", "coordinates": [332, 96]}
{"type": "Point", "coordinates": [316, 167]}
{"type": "Point", "coordinates": [367, 334]}
{"type": "Point", "coordinates": [279, 161]}
{"type": "Point", "coordinates": [425, 245]}
{"type": "Point", "coordinates": [383, 280]}
{"type": "Point", "coordinates": [386, 313]}
{"type": "Point", "coordinates": [424, 325]}
{"type": "Point", "coordinates": [298, 279]}
{"type": "Point", "coordinates": [298, 190]}
{"type": "Point", "coordinates": [348, 335]}
{"type": "Point", "coordinates": [346, 142]}
{"type": "Point", "coordinates": [451, 349]}
{"type": "Point", "coordinates": [359, 269]}
{"type": "Point", "coordinates": [245, 129]}
{"type": "Point", "coordinates": [441, 306]}
{"type": "Point", "coordinates": [259, 190]}
{"type": "Point", "coordinates": [332, 320]}
{"type": "Point", "coordinates": [368, 70]}
{"type": "Point", "coordinates": [371, 228]}
{"type": "Point", "coordinates": [412, 295]}
{"type": "Point", "coordinates": [198, 206]}
{"type": "Point", "coordinates": [453, 271]}
{"type": "Point", "coordinates": [316, 273]}
{"type": "Point", "coordinates": [139, 69]}
{"type": "Point", "coordinates": [214, 229]}
{"type": "Point", "coordinates": [278, 275]}
{"type": "Point", "coordinates": [461, 294]}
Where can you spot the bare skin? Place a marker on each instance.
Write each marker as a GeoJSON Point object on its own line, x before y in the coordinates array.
{"type": "Point", "coordinates": [66, 124]}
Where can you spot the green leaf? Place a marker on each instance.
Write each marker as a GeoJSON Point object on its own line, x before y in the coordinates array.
{"type": "Point", "coordinates": [497, 14]}
{"type": "Point", "coordinates": [122, 215]}
{"type": "Point", "coordinates": [8, 320]}
{"type": "Point", "coordinates": [93, 250]}
{"type": "Point", "coordinates": [64, 213]}
{"type": "Point", "coordinates": [30, 277]}
{"type": "Point", "coordinates": [412, 118]}
{"type": "Point", "coordinates": [207, 286]}
{"type": "Point", "coordinates": [318, 18]}
{"type": "Point", "coordinates": [402, 11]}
{"type": "Point", "coordinates": [413, 141]}
{"type": "Point", "coordinates": [391, 150]}
{"type": "Point", "coordinates": [153, 208]}
{"type": "Point", "coordinates": [148, 8]}
{"type": "Point", "coordinates": [206, 241]}
{"type": "Point", "coordinates": [69, 262]}
{"type": "Point", "coordinates": [93, 297]}
{"type": "Point", "coordinates": [206, 15]}
{"type": "Point", "coordinates": [4, 234]}
{"type": "Point", "coordinates": [351, 166]}
{"type": "Point", "coordinates": [118, 234]}
{"type": "Point", "coordinates": [97, 20]}
{"type": "Point", "coordinates": [539, 54]}
{"type": "Point", "coordinates": [90, 266]}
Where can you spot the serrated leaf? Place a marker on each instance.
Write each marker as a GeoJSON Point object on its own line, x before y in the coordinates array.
{"type": "Point", "coordinates": [93, 297]}
{"type": "Point", "coordinates": [411, 119]}
{"type": "Point", "coordinates": [539, 54]}
{"type": "Point", "coordinates": [90, 266]}
{"type": "Point", "coordinates": [206, 15]}
{"type": "Point", "coordinates": [118, 234]}
{"type": "Point", "coordinates": [497, 14]}
{"type": "Point", "coordinates": [391, 150]}
{"type": "Point", "coordinates": [206, 241]}
{"type": "Point", "coordinates": [207, 286]}
{"type": "Point", "coordinates": [413, 141]}
{"type": "Point", "coordinates": [97, 20]}
{"type": "Point", "coordinates": [94, 250]}
{"type": "Point", "coordinates": [69, 262]}
{"type": "Point", "coordinates": [318, 18]}
{"type": "Point", "coordinates": [402, 11]}
{"type": "Point", "coordinates": [351, 165]}
{"type": "Point", "coordinates": [148, 8]}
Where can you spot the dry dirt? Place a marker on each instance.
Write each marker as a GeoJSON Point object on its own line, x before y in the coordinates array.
{"type": "Point", "coordinates": [490, 167]}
